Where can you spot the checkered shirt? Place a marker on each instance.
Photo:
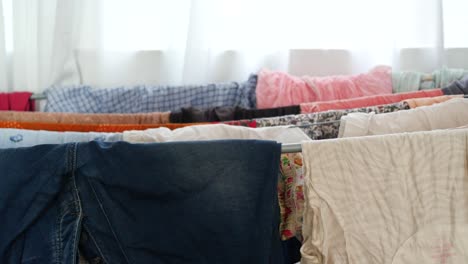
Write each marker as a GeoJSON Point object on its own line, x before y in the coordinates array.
{"type": "Point", "coordinates": [144, 98]}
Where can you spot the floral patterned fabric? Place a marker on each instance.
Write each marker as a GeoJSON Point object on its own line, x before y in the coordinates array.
{"type": "Point", "coordinates": [325, 125]}
{"type": "Point", "coordinates": [291, 195]}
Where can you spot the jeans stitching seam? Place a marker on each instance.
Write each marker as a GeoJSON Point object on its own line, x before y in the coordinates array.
{"type": "Point", "coordinates": [59, 238]}
{"type": "Point", "coordinates": [77, 202]}
{"type": "Point", "coordinates": [108, 221]}
{"type": "Point", "coordinates": [97, 245]}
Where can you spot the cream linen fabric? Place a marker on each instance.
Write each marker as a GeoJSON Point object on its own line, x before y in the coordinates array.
{"type": "Point", "coordinates": [282, 134]}
{"type": "Point", "coordinates": [400, 199]}
{"type": "Point", "coordinates": [449, 114]}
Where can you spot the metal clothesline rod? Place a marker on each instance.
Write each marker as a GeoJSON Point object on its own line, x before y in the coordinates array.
{"type": "Point", "coordinates": [39, 96]}
{"type": "Point", "coordinates": [291, 148]}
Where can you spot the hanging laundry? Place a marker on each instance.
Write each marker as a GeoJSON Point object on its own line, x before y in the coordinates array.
{"type": "Point", "coordinates": [290, 205]}
{"type": "Point", "coordinates": [74, 118]}
{"type": "Point", "coordinates": [426, 101]}
{"type": "Point", "coordinates": [244, 123]}
{"type": "Point", "coordinates": [291, 251]}
{"type": "Point", "coordinates": [291, 195]}
{"type": "Point", "coordinates": [366, 101]}
{"type": "Point", "coordinates": [404, 82]}
{"type": "Point", "coordinates": [280, 134]}
{"type": "Point", "coordinates": [16, 138]}
{"type": "Point", "coordinates": [111, 128]}
{"type": "Point", "coordinates": [444, 77]}
{"type": "Point", "coordinates": [276, 89]}
{"type": "Point", "coordinates": [387, 199]}
{"type": "Point", "coordinates": [457, 87]}
{"type": "Point", "coordinates": [217, 114]}
{"type": "Point", "coordinates": [193, 115]}
{"type": "Point", "coordinates": [191, 202]}
{"type": "Point", "coordinates": [325, 125]}
{"type": "Point", "coordinates": [16, 101]}
{"type": "Point", "coordinates": [414, 81]}
{"type": "Point", "coordinates": [143, 99]}
{"type": "Point", "coordinates": [450, 114]}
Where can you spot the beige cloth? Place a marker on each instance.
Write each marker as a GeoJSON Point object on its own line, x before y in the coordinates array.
{"type": "Point", "coordinates": [450, 114]}
{"type": "Point", "coordinates": [79, 118]}
{"type": "Point", "coordinates": [425, 101]}
{"type": "Point", "coordinates": [281, 134]}
{"type": "Point", "coordinates": [400, 199]}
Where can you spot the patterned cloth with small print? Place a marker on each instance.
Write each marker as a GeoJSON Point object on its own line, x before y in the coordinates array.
{"type": "Point", "coordinates": [325, 125]}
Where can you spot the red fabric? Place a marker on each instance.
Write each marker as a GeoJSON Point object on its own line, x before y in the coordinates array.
{"type": "Point", "coordinates": [110, 128]}
{"type": "Point", "coordinates": [20, 101]}
{"type": "Point", "coordinates": [366, 101]}
{"type": "Point", "coordinates": [245, 123]}
{"type": "Point", "coordinates": [4, 102]}
{"type": "Point", "coordinates": [16, 101]}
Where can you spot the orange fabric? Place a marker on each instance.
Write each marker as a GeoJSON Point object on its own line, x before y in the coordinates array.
{"type": "Point", "coordinates": [89, 127]}
{"type": "Point", "coordinates": [366, 101]}
{"type": "Point", "coordinates": [81, 118]}
{"type": "Point", "coordinates": [425, 101]}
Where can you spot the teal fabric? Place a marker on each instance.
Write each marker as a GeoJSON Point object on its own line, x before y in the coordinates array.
{"type": "Point", "coordinates": [414, 81]}
{"type": "Point", "coordinates": [406, 81]}
{"type": "Point", "coordinates": [446, 76]}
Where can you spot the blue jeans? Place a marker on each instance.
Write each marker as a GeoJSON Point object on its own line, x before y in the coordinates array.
{"type": "Point", "coordinates": [187, 202]}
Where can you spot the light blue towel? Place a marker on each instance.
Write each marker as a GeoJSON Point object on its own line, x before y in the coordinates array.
{"type": "Point", "coordinates": [15, 138]}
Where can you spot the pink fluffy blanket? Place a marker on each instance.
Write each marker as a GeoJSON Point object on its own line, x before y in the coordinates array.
{"type": "Point", "coordinates": [275, 89]}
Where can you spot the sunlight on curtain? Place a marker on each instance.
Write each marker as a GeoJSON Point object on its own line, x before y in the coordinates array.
{"type": "Point", "coordinates": [174, 42]}
{"type": "Point", "coordinates": [292, 24]}
{"type": "Point", "coordinates": [124, 42]}
{"type": "Point", "coordinates": [121, 25]}
{"type": "Point", "coordinates": [455, 23]}
{"type": "Point", "coordinates": [39, 39]}
{"type": "Point", "coordinates": [8, 24]}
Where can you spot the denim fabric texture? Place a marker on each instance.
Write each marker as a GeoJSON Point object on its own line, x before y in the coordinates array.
{"type": "Point", "coordinates": [187, 202]}
{"type": "Point", "coordinates": [146, 98]}
{"type": "Point", "coordinates": [15, 138]}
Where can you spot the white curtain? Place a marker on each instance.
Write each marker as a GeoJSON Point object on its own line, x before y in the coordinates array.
{"type": "Point", "coordinates": [37, 42]}
{"type": "Point", "coordinates": [123, 42]}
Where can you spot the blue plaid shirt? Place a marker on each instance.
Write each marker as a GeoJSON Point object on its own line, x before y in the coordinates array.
{"type": "Point", "coordinates": [143, 98]}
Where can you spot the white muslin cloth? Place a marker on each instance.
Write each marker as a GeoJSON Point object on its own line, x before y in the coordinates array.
{"type": "Point", "coordinates": [449, 114]}
{"type": "Point", "coordinates": [400, 199]}
{"type": "Point", "coordinates": [281, 134]}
